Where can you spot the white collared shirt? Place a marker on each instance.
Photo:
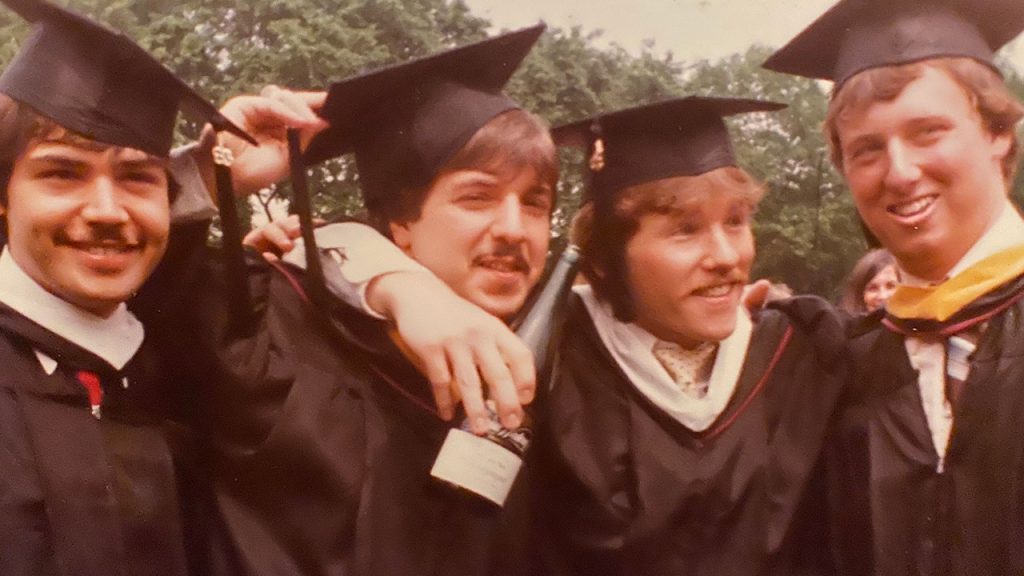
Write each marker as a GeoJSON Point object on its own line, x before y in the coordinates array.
{"type": "Point", "coordinates": [928, 356]}
{"type": "Point", "coordinates": [115, 339]}
{"type": "Point", "coordinates": [632, 348]}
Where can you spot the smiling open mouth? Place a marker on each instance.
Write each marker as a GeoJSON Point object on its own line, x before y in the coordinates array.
{"type": "Point", "coordinates": [504, 264]}
{"type": "Point", "coordinates": [103, 248]}
{"type": "Point", "coordinates": [716, 291]}
{"type": "Point", "coordinates": [913, 208]}
{"type": "Point", "coordinates": [107, 250]}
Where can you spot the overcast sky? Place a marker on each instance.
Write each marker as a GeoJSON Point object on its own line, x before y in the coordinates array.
{"type": "Point", "coordinates": [690, 29]}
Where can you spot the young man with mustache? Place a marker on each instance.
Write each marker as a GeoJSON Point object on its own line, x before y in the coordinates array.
{"type": "Point", "coordinates": [682, 435]}
{"type": "Point", "coordinates": [327, 428]}
{"type": "Point", "coordinates": [90, 480]}
{"type": "Point", "coordinates": [927, 455]}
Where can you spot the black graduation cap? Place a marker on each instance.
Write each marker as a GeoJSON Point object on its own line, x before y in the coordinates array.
{"type": "Point", "coordinates": [98, 83]}
{"type": "Point", "coordinates": [678, 137]}
{"type": "Point", "coordinates": [405, 121]}
{"type": "Point", "coordinates": [855, 35]}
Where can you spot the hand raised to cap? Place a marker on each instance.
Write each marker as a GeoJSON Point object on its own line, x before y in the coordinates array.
{"type": "Point", "coordinates": [267, 117]}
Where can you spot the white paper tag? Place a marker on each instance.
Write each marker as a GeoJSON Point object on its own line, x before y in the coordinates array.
{"type": "Point", "coordinates": [958, 357]}
{"type": "Point", "coordinates": [477, 464]}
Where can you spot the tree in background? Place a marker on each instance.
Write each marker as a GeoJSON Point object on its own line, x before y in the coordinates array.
{"type": "Point", "coordinates": [808, 232]}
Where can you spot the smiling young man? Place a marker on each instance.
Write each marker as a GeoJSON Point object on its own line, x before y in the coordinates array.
{"type": "Point", "coordinates": [928, 455]}
{"type": "Point", "coordinates": [90, 220]}
{"type": "Point", "coordinates": [682, 436]}
{"type": "Point", "coordinates": [926, 170]}
{"type": "Point", "coordinates": [90, 477]}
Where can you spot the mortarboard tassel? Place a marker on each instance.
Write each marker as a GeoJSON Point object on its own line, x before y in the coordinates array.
{"type": "Point", "coordinates": [234, 253]}
{"type": "Point", "coordinates": [301, 205]}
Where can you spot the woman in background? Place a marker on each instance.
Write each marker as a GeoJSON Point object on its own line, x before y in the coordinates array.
{"type": "Point", "coordinates": [871, 283]}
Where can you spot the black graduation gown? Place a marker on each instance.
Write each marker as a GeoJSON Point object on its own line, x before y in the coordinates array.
{"type": "Point", "coordinates": [893, 512]}
{"type": "Point", "coordinates": [414, 524]}
{"type": "Point", "coordinates": [628, 490]}
{"type": "Point", "coordinates": [81, 496]}
{"type": "Point", "coordinates": [281, 415]}
{"type": "Point", "coordinates": [322, 435]}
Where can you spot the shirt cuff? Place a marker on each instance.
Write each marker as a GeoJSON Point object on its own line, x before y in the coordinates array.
{"type": "Point", "coordinates": [193, 203]}
{"type": "Point", "coordinates": [352, 255]}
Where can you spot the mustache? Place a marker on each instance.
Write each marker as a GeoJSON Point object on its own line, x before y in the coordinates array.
{"type": "Point", "coordinates": [729, 277]}
{"type": "Point", "coordinates": [506, 252]}
{"type": "Point", "coordinates": [98, 234]}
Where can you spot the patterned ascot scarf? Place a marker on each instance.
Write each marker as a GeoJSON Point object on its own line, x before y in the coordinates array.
{"type": "Point", "coordinates": [690, 368]}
